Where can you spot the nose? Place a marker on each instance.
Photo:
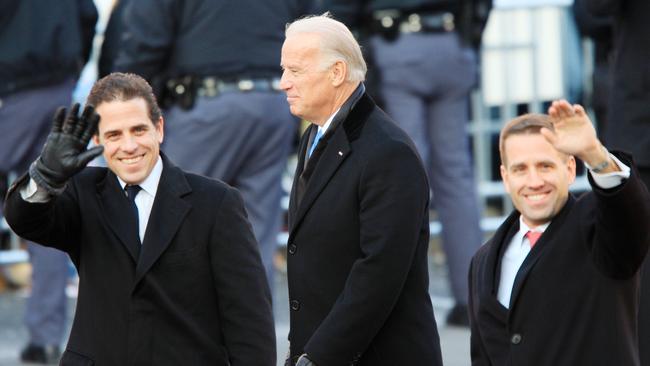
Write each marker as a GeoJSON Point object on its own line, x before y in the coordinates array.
{"type": "Point", "coordinates": [129, 144]}
{"type": "Point", "coordinates": [535, 179]}
{"type": "Point", "coordinates": [285, 84]}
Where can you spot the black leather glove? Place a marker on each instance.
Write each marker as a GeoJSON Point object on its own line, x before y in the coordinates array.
{"type": "Point", "coordinates": [64, 153]}
{"type": "Point", "coordinates": [305, 361]}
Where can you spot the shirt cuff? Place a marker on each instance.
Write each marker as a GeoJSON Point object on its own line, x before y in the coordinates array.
{"type": "Point", "coordinates": [613, 179]}
{"type": "Point", "coordinates": [33, 193]}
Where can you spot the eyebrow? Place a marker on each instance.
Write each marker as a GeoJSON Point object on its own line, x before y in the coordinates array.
{"type": "Point", "coordinates": [139, 125]}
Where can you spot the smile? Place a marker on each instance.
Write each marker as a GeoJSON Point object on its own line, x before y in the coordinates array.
{"type": "Point", "coordinates": [536, 197]}
{"type": "Point", "coordinates": [132, 160]}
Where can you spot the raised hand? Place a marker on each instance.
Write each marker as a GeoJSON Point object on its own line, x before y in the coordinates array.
{"type": "Point", "coordinates": [574, 134]}
{"type": "Point", "coordinates": [65, 151]}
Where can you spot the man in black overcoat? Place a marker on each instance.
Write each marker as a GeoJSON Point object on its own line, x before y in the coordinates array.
{"type": "Point", "coordinates": [358, 215]}
{"type": "Point", "coordinates": [169, 270]}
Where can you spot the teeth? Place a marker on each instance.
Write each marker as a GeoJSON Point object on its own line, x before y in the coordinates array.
{"type": "Point", "coordinates": [536, 197]}
{"type": "Point", "coordinates": [132, 160]}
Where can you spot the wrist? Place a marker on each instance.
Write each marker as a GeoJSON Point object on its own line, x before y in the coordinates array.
{"type": "Point", "coordinates": [46, 178]}
{"type": "Point", "coordinates": [602, 165]}
{"type": "Point", "coordinates": [597, 159]}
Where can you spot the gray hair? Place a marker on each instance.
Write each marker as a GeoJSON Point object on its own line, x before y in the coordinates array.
{"type": "Point", "coordinates": [337, 43]}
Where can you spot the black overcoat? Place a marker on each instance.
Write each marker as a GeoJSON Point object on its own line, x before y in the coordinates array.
{"type": "Point", "coordinates": [357, 250]}
{"type": "Point", "coordinates": [194, 293]}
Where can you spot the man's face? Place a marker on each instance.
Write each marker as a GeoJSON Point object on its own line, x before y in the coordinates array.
{"type": "Point", "coordinates": [131, 140]}
{"type": "Point", "coordinates": [310, 91]}
{"type": "Point", "coordinates": [536, 176]}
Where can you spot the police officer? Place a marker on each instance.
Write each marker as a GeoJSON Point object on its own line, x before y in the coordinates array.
{"type": "Point", "coordinates": [215, 65]}
{"type": "Point", "coordinates": [425, 52]}
{"type": "Point", "coordinates": [43, 47]}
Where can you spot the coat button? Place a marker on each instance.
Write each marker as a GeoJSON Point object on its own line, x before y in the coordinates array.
{"type": "Point", "coordinates": [516, 338]}
{"type": "Point", "coordinates": [292, 249]}
{"type": "Point", "coordinates": [295, 305]}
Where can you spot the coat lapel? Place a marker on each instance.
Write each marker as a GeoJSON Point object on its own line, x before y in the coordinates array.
{"type": "Point", "coordinates": [334, 147]}
{"type": "Point", "coordinates": [114, 204]}
{"type": "Point", "coordinates": [168, 211]}
{"type": "Point", "coordinates": [311, 178]}
{"type": "Point", "coordinates": [491, 273]}
{"type": "Point", "coordinates": [319, 171]}
{"type": "Point", "coordinates": [538, 250]}
{"type": "Point", "coordinates": [294, 196]}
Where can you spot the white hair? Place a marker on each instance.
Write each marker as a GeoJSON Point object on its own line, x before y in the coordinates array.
{"type": "Point", "coordinates": [336, 43]}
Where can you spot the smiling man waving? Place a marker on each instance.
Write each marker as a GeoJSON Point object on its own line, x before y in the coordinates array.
{"type": "Point", "coordinates": [169, 270]}
{"type": "Point", "coordinates": [558, 283]}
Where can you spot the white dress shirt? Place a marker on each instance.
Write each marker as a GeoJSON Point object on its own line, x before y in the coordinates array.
{"type": "Point", "coordinates": [519, 246]}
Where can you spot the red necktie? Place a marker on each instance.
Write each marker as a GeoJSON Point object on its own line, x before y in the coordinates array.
{"type": "Point", "coordinates": [533, 236]}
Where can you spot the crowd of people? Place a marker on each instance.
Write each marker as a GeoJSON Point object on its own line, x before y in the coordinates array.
{"type": "Point", "coordinates": [195, 113]}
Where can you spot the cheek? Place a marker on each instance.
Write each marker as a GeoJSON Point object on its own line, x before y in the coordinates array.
{"type": "Point", "coordinates": [110, 148]}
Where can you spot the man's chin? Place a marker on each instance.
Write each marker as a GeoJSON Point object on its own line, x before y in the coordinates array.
{"type": "Point", "coordinates": [130, 178]}
{"type": "Point", "coordinates": [537, 218]}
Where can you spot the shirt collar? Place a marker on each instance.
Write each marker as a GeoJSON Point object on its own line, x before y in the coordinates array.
{"type": "Point", "coordinates": [523, 229]}
{"type": "Point", "coordinates": [358, 92]}
{"type": "Point", "coordinates": [322, 129]}
{"type": "Point", "coordinates": [150, 184]}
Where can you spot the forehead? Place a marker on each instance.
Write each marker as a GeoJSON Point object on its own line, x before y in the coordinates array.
{"type": "Point", "coordinates": [530, 148]}
{"type": "Point", "coordinates": [300, 48]}
{"type": "Point", "coordinates": [119, 114]}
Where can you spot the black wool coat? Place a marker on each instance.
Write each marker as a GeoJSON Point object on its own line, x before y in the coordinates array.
{"type": "Point", "coordinates": [194, 292]}
{"type": "Point", "coordinates": [357, 250]}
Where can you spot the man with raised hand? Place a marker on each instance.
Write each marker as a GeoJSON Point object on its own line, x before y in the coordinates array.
{"type": "Point", "coordinates": [558, 283]}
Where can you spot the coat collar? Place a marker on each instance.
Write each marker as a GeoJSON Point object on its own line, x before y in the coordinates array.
{"type": "Point", "coordinates": [312, 177]}
{"type": "Point", "coordinates": [168, 211]}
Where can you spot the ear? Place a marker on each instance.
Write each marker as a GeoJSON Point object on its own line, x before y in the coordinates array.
{"type": "Point", "coordinates": [504, 178]}
{"type": "Point", "coordinates": [96, 138]}
{"type": "Point", "coordinates": [338, 73]}
{"type": "Point", "coordinates": [160, 129]}
{"type": "Point", "coordinates": [571, 165]}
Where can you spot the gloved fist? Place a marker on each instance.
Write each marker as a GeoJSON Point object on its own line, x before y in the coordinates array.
{"type": "Point", "coordinates": [64, 153]}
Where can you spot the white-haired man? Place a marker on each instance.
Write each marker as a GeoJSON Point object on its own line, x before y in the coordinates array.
{"type": "Point", "coordinates": [358, 216]}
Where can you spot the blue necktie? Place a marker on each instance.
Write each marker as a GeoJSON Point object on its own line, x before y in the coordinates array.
{"type": "Point", "coordinates": [319, 134]}
{"type": "Point", "coordinates": [131, 192]}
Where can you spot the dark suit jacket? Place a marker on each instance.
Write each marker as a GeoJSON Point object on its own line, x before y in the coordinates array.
{"type": "Point", "coordinates": [195, 294]}
{"type": "Point", "coordinates": [357, 262]}
{"type": "Point", "coordinates": [629, 115]}
{"type": "Point", "coordinates": [574, 301]}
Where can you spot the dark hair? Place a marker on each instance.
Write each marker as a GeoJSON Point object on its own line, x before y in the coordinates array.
{"type": "Point", "coordinates": [529, 124]}
{"type": "Point", "coordinates": [123, 87]}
